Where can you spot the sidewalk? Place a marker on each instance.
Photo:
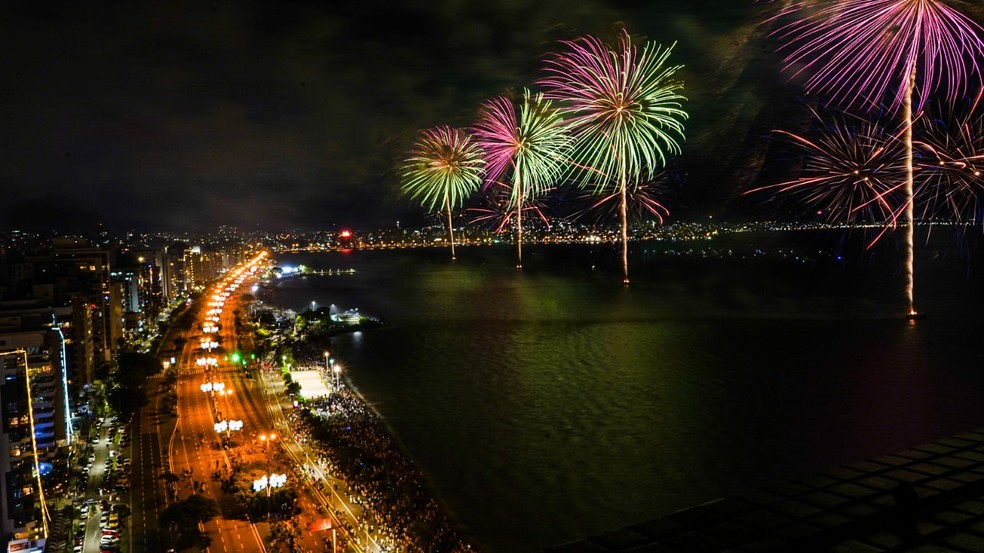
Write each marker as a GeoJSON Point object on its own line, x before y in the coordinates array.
{"type": "Point", "coordinates": [332, 490]}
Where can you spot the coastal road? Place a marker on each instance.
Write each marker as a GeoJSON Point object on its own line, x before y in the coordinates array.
{"type": "Point", "coordinates": [196, 452]}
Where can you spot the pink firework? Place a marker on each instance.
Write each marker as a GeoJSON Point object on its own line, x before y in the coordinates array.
{"type": "Point", "coordinates": [527, 148]}
{"type": "Point", "coordinates": [643, 201]}
{"type": "Point", "coordinates": [864, 52]}
{"type": "Point", "coordinates": [951, 165]}
{"type": "Point", "coordinates": [626, 113]}
{"type": "Point", "coordinates": [852, 172]}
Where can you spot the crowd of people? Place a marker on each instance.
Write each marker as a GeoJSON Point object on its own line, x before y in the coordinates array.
{"type": "Point", "coordinates": [353, 441]}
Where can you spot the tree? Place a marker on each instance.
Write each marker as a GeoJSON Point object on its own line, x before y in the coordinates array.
{"type": "Point", "coordinates": [128, 391]}
{"type": "Point", "coordinates": [182, 519]}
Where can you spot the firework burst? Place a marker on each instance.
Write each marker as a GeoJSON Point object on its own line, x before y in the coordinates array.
{"type": "Point", "coordinates": [865, 52]}
{"type": "Point", "coordinates": [444, 168]}
{"type": "Point", "coordinates": [527, 152]}
{"type": "Point", "coordinates": [499, 213]}
{"type": "Point", "coordinates": [625, 111]}
{"type": "Point", "coordinates": [852, 171]}
{"type": "Point", "coordinates": [951, 166]}
{"type": "Point", "coordinates": [645, 200]}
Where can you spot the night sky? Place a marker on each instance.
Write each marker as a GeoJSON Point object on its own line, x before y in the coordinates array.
{"type": "Point", "coordinates": [280, 115]}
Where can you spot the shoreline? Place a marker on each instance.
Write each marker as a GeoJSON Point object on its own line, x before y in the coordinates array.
{"type": "Point", "coordinates": [360, 449]}
{"type": "Point", "coordinates": [363, 451]}
{"type": "Point", "coordinates": [429, 482]}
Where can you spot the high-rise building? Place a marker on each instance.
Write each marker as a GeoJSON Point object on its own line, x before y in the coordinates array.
{"type": "Point", "coordinates": [36, 423]}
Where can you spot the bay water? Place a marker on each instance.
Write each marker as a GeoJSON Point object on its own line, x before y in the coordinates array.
{"type": "Point", "coordinates": [550, 404]}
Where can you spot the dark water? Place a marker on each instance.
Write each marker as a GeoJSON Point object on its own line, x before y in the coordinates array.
{"type": "Point", "coordinates": [551, 404]}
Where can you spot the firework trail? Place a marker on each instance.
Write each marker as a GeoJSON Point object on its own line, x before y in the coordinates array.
{"type": "Point", "coordinates": [865, 52]}
{"type": "Point", "coordinates": [625, 112]}
{"type": "Point", "coordinates": [444, 168]}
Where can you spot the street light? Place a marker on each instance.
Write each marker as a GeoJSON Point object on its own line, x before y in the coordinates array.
{"type": "Point", "coordinates": [266, 438]}
{"type": "Point", "coordinates": [336, 369]}
{"type": "Point", "coordinates": [213, 387]}
{"type": "Point", "coordinates": [228, 426]}
{"type": "Point", "coordinates": [268, 483]}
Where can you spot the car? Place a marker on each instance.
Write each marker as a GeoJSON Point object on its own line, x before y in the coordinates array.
{"type": "Point", "coordinates": [77, 549]}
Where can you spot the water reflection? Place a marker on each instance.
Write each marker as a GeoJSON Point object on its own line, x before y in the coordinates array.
{"type": "Point", "coordinates": [548, 404]}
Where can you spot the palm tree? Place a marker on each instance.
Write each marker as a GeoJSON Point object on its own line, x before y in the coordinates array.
{"type": "Point", "coordinates": [864, 52]}
{"type": "Point", "coordinates": [625, 113]}
{"type": "Point", "coordinates": [532, 147]}
{"type": "Point", "coordinates": [443, 169]}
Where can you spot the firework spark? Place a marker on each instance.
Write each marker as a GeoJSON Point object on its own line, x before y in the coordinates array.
{"type": "Point", "coordinates": [645, 200]}
{"type": "Point", "coordinates": [498, 212]}
{"type": "Point", "coordinates": [625, 111]}
{"type": "Point", "coordinates": [443, 169]}
{"type": "Point", "coordinates": [853, 172]}
{"type": "Point", "coordinates": [952, 165]}
{"type": "Point", "coordinates": [528, 151]}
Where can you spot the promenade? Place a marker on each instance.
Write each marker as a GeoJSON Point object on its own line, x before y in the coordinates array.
{"type": "Point", "coordinates": [928, 499]}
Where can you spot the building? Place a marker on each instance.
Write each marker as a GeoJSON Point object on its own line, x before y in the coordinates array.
{"type": "Point", "coordinates": [37, 426]}
{"type": "Point", "coordinates": [75, 272]}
